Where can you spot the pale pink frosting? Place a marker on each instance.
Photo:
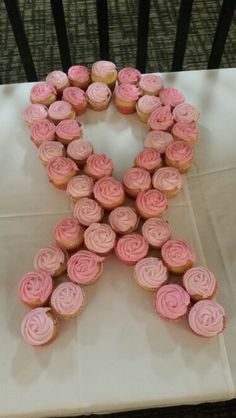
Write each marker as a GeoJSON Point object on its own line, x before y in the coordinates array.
{"type": "Point", "coordinates": [137, 179]}
{"type": "Point", "coordinates": [35, 287]}
{"type": "Point", "coordinates": [79, 73]}
{"type": "Point", "coordinates": [42, 91]}
{"type": "Point", "coordinates": [150, 273]}
{"type": "Point", "coordinates": [151, 202]}
{"type": "Point", "coordinates": [58, 79]}
{"type": "Point", "coordinates": [68, 129]}
{"type": "Point", "coordinates": [99, 165]}
{"type": "Point", "coordinates": [108, 191]}
{"type": "Point", "coordinates": [148, 158]}
{"type": "Point", "coordinates": [103, 68]}
{"type": "Point", "coordinates": [200, 282]}
{"type": "Point", "coordinates": [67, 229]}
{"type": "Point", "coordinates": [167, 179]}
{"type": "Point", "coordinates": [75, 96]}
{"type": "Point", "coordinates": [161, 118]}
{"type": "Point", "coordinates": [41, 131]}
{"type": "Point", "coordinates": [80, 186]}
{"type": "Point", "coordinates": [151, 83]}
{"type": "Point", "coordinates": [156, 231]}
{"type": "Point", "coordinates": [147, 104]}
{"type": "Point", "coordinates": [37, 328]}
{"type": "Point", "coordinates": [34, 113]}
{"type": "Point", "coordinates": [99, 238]}
{"type": "Point", "coordinates": [84, 266]}
{"type": "Point", "coordinates": [79, 150]}
{"type": "Point", "coordinates": [49, 150]}
{"type": "Point", "coordinates": [185, 112]}
{"type": "Point", "coordinates": [99, 93]}
{"type": "Point", "coordinates": [171, 96]}
{"type": "Point", "coordinates": [172, 301]}
{"type": "Point", "coordinates": [60, 110]}
{"type": "Point", "coordinates": [207, 318]}
{"type": "Point", "coordinates": [158, 139]}
{"type": "Point", "coordinates": [49, 259]}
{"type": "Point", "coordinates": [123, 219]}
{"type": "Point", "coordinates": [179, 151]}
{"type": "Point", "coordinates": [67, 298]}
{"type": "Point", "coordinates": [129, 75]}
{"type": "Point", "coordinates": [177, 253]}
{"type": "Point", "coordinates": [88, 211]}
{"type": "Point", "coordinates": [186, 131]}
{"type": "Point", "coordinates": [131, 248]}
{"type": "Point", "coordinates": [127, 92]}
{"type": "Point", "coordinates": [61, 167]}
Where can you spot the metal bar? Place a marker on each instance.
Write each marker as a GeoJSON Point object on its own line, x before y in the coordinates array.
{"type": "Point", "coordinates": [103, 29]}
{"type": "Point", "coordinates": [142, 36]}
{"type": "Point", "coordinates": [182, 30]}
{"type": "Point", "coordinates": [62, 38]}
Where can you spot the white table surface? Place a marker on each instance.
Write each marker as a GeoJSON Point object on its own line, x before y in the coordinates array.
{"type": "Point", "coordinates": [119, 354]}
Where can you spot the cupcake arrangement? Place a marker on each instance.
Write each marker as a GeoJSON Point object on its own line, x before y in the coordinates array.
{"type": "Point", "coordinates": [82, 241]}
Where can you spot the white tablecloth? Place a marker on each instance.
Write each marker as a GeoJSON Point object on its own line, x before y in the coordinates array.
{"type": "Point", "coordinates": [119, 354]}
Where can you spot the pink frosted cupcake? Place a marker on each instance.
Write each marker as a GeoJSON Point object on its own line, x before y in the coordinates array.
{"type": "Point", "coordinates": [100, 239]}
{"type": "Point", "coordinates": [187, 132]}
{"type": "Point", "coordinates": [68, 234]}
{"type": "Point", "coordinates": [42, 131]}
{"type": "Point", "coordinates": [49, 150]}
{"type": "Point", "coordinates": [168, 180]}
{"type": "Point", "coordinates": [178, 255]}
{"type": "Point", "coordinates": [77, 98]}
{"type": "Point", "coordinates": [79, 150]}
{"type": "Point", "coordinates": [105, 72]}
{"type": "Point", "coordinates": [161, 119]}
{"type": "Point", "coordinates": [60, 110]}
{"type": "Point", "coordinates": [88, 211]}
{"type": "Point", "coordinates": [156, 231]}
{"type": "Point", "coordinates": [136, 180]}
{"type": "Point", "coordinates": [109, 193]}
{"type": "Point", "coordinates": [146, 105]}
{"type": "Point", "coordinates": [123, 220]}
{"type": "Point", "coordinates": [150, 84]}
{"type": "Point", "coordinates": [80, 186]}
{"type": "Point", "coordinates": [43, 93]}
{"type": "Point", "coordinates": [185, 112]}
{"type": "Point", "coordinates": [131, 248]}
{"type": "Point", "coordinates": [151, 203]}
{"type": "Point", "coordinates": [126, 96]}
{"type": "Point", "coordinates": [59, 80]}
{"type": "Point", "coordinates": [98, 166]}
{"type": "Point", "coordinates": [51, 260]}
{"type": "Point", "coordinates": [207, 318]}
{"type": "Point", "coordinates": [129, 75]}
{"type": "Point", "coordinates": [35, 289]}
{"type": "Point", "coordinates": [150, 273]}
{"type": "Point", "coordinates": [172, 302]}
{"type": "Point", "coordinates": [179, 154]}
{"type": "Point", "coordinates": [99, 96]}
{"type": "Point", "coordinates": [149, 159]}
{"type": "Point", "coordinates": [171, 96]}
{"type": "Point", "coordinates": [85, 267]}
{"type": "Point", "coordinates": [200, 283]}
{"type": "Point", "coordinates": [35, 113]}
{"type": "Point", "coordinates": [39, 327]}
{"type": "Point", "coordinates": [68, 130]}
{"type": "Point", "coordinates": [79, 76]}
{"type": "Point", "coordinates": [158, 140]}
{"type": "Point", "coordinates": [60, 170]}
{"type": "Point", "coordinates": [67, 300]}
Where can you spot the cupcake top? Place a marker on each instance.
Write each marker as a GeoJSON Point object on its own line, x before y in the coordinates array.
{"type": "Point", "coordinates": [171, 96]}
{"type": "Point", "coordinates": [156, 231]}
{"type": "Point", "coordinates": [148, 158]}
{"type": "Point", "coordinates": [131, 248]}
{"type": "Point", "coordinates": [123, 219]}
{"type": "Point", "coordinates": [158, 140]}
{"type": "Point", "coordinates": [79, 149]}
{"type": "Point", "coordinates": [161, 118]}
{"type": "Point", "coordinates": [103, 68]}
{"type": "Point", "coordinates": [42, 131]}
{"type": "Point", "coordinates": [108, 191]}
{"type": "Point", "coordinates": [67, 229]}
{"type": "Point", "coordinates": [151, 83]}
{"type": "Point", "coordinates": [80, 186]}
{"type": "Point", "coordinates": [150, 273]}
{"type": "Point", "coordinates": [127, 92]}
{"type": "Point", "coordinates": [35, 288]}
{"type": "Point", "coordinates": [84, 266]}
{"type": "Point", "coordinates": [129, 75]}
{"type": "Point", "coordinates": [61, 167]}
{"type": "Point", "coordinates": [98, 92]}
{"type": "Point", "coordinates": [172, 301]}
{"type": "Point", "coordinates": [49, 259]}
{"type": "Point", "coordinates": [68, 129]}
{"type": "Point", "coordinates": [67, 298]}
{"type": "Point", "coordinates": [34, 113]}
{"type": "Point", "coordinates": [79, 73]}
{"type": "Point", "coordinates": [42, 91]}
{"type": "Point", "coordinates": [179, 151]}
{"type": "Point", "coordinates": [99, 165]}
{"type": "Point", "coordinates": [185, 112]}
{"type": "Point", "coordinates": [152, 202]}
{"type": "Point", "coordinates": [137, 178]}
{"type": "Point", "coordinates": [186, 131]}
{"type": "Point", "coordinates": [60, 110]}
{"type": "Point", "coordinates": [88, 211]}
{"type": "Point", "coordinates": [99, 238]}
{"type": "Point", "coordinates": [207, 318]}
{"type": "Point", "coordinates": [38, 327]}
{"type": "Point", "coordinates": [49, 150]}
{"type": "Point", "coordinates": [167, 178]}
{"type": "Point", "coordinates": [147, 103]}
{"type": "Point", "coordinates": [74, 96]}
{"type": "Point", "coordinates": [58, 79]}
{"type": "Point", "coordinates": [177, 252]}
{"type": "Point", "coordinates": [199, 282]}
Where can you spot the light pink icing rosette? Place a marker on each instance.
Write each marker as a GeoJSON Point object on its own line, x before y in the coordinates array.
{"type": "Point", "coordinates": [103, 68]}
{"type": "Point", "coordinates": [68, 130]}
{"type": "Point", "coordinates": [185, 131]}
{"type": "Point", "coordinates": [171, 96]}
{"type": "Point", "coordinates": [99, 93]}
{"type": "Point", "coordinates": [161, 118]}
{"type": "Point", "coordinates": [84, 267]}
{"type": "Point", "coordinates": [79, 150]}
{"type": "Point", "coordinates": [177, 254]}
{"type": "Point", "coordinates": [49, 150]}
{"type": "Point", "coordinates": [148, 158]}
{"type": "Point", "coordinates": [123, 219]}
{"type": "Point", "coordinates": [80, 186]}
{"type": "Point", "coordinates": [151, 84]}
{"type": "Point", "coordinates": [79, 75]}
{"type": "Point", "coordinates": [151, 203]}
{"type": "Point", "coordinates": [88, 211]}
{"type": "Point", "coordinates": [171, 301]}
{"type": "Point", "coordinates": [167, 179]}
{"type": "Point", "coordinates": [127, 92]}
{"type": "Point", "coordinates": [109, 192]}
{"type": "Point", "coordinates": [207, 318]}
{"type": "Point", "coordinates": [50, 259]}
{"type": "Point", "coordinates": [67, 299]}
{"type": "Point", "coordinates": [147, 104]}
{"type": "Point", "coordinates": [67, 229]}
{"type": "Point", "coordinates": [61, 167]}
{"type": "Point", "coordinates": [34, 113]}
{"type": "Point", "coordinates": [99, 165]}
{"type": "Point", "coordinates": [38, 327]}
{"type": "Point", "coordinates": [42, 131]}
{"type": "Point", "coordinates": [100, 238]}
{"type": "Point", "coordinates": [179, 151]}
{"type": "Point", "coordinates": [158, 140]}
{"type": "Point", "coordinates": [35, 288]}
{"type": "Point", "coordinates": [200, 283]}
{"type": "Point", "coordinates": [186, 112]}
{"type": "Point", "coordinates": [129, 75]}
{"type": "Point", "coordinates": [60, 110]}
{"type": "Point", "coordinates": [58, 79]}
{"type": "Point", "coordinates": [150, 273]}
{"type": "Point", "coordinates": [77, 98]}
{"type": "Point", "coordinates": [42, 92]}
{"type": "Point", "coordinates": [137, 179]}
{"type": "Point", "coordinates": [156, 231]}
{"type": "Point", "coordinates": [131, 248]}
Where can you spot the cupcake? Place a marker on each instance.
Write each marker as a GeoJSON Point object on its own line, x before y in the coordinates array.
{"type": "Point", "coordinates": [68, 234]}
{"type": "Point", "coordinates": [42, 131]}
{"type": "Point", "coordinates": [77, 98]}
{"type": "Point", "coordinates": [105, 72]}
{"type": "Point", "coordinates": [60, 170]}
{"type": "Point", "coordinates": [158, 140]}
{"type": "Point", "coordinates": [156, 231]}
{"type": "Point", "coordinates": [35, 289]}
{"type": "Point", "coordinates": [185, 112]}
{"type": "Point", "coordinates": [146, 105]}
{"type": "Point", "coordinates": [79, 150]}
{"type": "Point", "coordinates": [207, 318]}
{"type": "Point", "coordinates": [179, 154]}
{"type": "Point", "coordinates": [68, 130]}
{"type": "Point", "coordinates": [109, 193]}
{"type": "Point", "coordinates": [161, 119]}
{"type": "Point", "coordinates": [60, 110]}
{"type": "Point", "coordinates": [168, 180]}
{"type": "Point", "coordinates": [99, 96]}
{"type": "Point", "coordinates": [35, 113]}
{"type": "Point", "coordinates": [200, 283]}
{"type": "Point", "coordinates": [59, 80]}
{"type": "Point", "coordinates": [172, 302]}
{"type": "Point", "coordinates": [100, 239]}
{"type": "Point", "coordinates": [51, 260]}
{"type": "Point", "coordinates": [129, 75]}
{"type": "Point", "coordinates": [79, 76]}
{"type": "Point", "coordinates": [150, 84]}
{"type": "Point", "coordinates": [80, 186]}
{"type": "Point", "coordinates": [136, 180]}
{"type": "Point", "coordinates": [171, 96]}
{"type": "Point", "coordinates": [149, 159]}
{"type": "Point", "coordinates": [98, 166]}
{"type": "Point", "coordinates": [49, 150]}
{"type": "Point", "coordinates": [184, 131]}
{"type": "Point", "coordinates": [177, 255]}
{"type": "Point", "coordinates": [67, 300]}
{"type": "Point", "coordinates": [131, 248]}
{"type": "Point", "coordinates": [151, 203]}
{"type": "Point", "coordinates": [150, 273]}
{"type": "Point", "coordinates": [123, 220]}
{"type": "Point", "coordinates": [126, 96]}
{"type": "Point", "coordinates": [85, 267]}
{"type": "Point", "coordinates": [39, 327]}
{"type": "Point", "coordinates": [88, 211]}
{"type": "Point", "coordinates": [43, 93]}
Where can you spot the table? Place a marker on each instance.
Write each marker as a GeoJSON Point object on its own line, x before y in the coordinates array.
{"type": "Point", "coordinates": [119, 355]}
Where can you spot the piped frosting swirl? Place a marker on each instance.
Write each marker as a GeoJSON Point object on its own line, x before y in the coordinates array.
{"type": "Point", "coordinates": [84, 266]}
{"type": "Point", "coordinates": [88, 211]}
{"type": "Point", "coordinates": [99, 238]}
{"type": "Point", "coordinates": [150, 273]}
{"type": "Point", "coordinates": [172, 301]}
{"type": "Point", "coordinates": [207, 318]}
{"type": "Point", "coordinates": [38, 327]}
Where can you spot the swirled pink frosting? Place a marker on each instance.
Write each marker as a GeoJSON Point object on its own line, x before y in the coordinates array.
{"type": "Point", "coordinates": [129, 75]}
{"type": "Point", "coordinates": [99, 238]}
{"type": "Point", "coordinates": [99, 165]}
{"type": "Point", "coordinates": [98, 92]}
{"type": "Point", "coordinates": [177, 252]}
{"type": "Point", "coordinates": [200, 282]}
{"type": "Point", "coordinates": [79, 73]}
{"type": "Point", "coordinates": [103, 68]}
{"type": "Point", "coordinates": [34, 113]}
{"type": "Point", "coordinates": [88, 211]}
{"type": "Point", "coordinates": [84, 266]}
{"type": "Point", "coordinates": [207, 318]}
{"type": "Point", "coordinates": [179, 151]}
{"type": "Point", "coordinates": [80, 186]}
{"type": "Point", "coordinates": [171, 96]}
{"type": "Point", "coordinates": [42, 131]}
{"type": "Point", "coordinates": [42, 91]}
{"type": "Point", "coordinates": [148, 158]}
{"type": "Point", "coordinates": [79, 150]}
{"type": "Point", "coordinates": [131, 248]}
{"type": "Point", "coordinates": [150, 273]}
{"type": "Point", "coordinates": [127, 92]}
{"type": "Point", "coordinates": [156, 231]}
{"type": "Point", "coordinates": [58, 79]}
{"type": "Point", "coordinates": [67, 298]}
{"type": "Point", "coordinates": [67, 229]}
{"type": "Point", "coordinates": [108, 191]}
{"type": "Point", "coordinates": [186, 112]}
{"type": "Point", "coordinates": [61, 167]}
{"type": "Point", "coordinates": [167, 178]}
{"type": "Point", "coordinates": [172, 301]}
{"type": "Point", "coordinates": [186, 131]}
{"type": "Point", "coordinates": [158, 140]}
{"type": "Point", "coordinates": [74, 96]}
{"type": "Point", "coordinates": [37, 327]}
{"type": "Point", "coordinates": [123, 219]}
{"type": "Point", "coordinates": [49, 259]}
{"type": "Point", "coordinates": [68, 129]}
{"type": "Point", "coordinates": [137, 179]}
{"type": "Point", "coordinates": [161, 118]}
{"type": "Point", "coordinates": [49, 150]}
{"type": "Point", "coordinates": [147, 104]}
{"type": "Point", "coordinates": [151, 202]}
{"type": "Point", "coordinates": [151, 83]}
{"type": "Point", "coordinates": [60, 110]}
{"type": "Point", "coordinates": [35, 288]}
